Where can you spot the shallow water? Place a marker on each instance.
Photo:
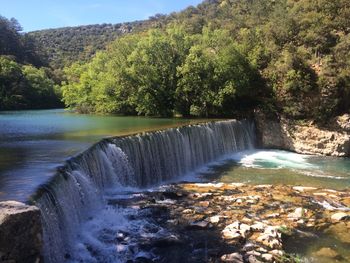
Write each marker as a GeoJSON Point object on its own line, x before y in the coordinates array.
{"type": "Point", "coordinates": [282, 167]}
{"type": "Point", "coordinates": [34, 143]}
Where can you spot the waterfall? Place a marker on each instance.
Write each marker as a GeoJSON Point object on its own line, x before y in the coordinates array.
{"type": "Point", "coordinates": [77, 191]}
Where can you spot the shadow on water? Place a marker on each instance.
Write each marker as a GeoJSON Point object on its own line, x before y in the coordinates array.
{"type": "Point", "coordinates": [309, 248]}
{"type": "Point", "coordinates": [170, 233]}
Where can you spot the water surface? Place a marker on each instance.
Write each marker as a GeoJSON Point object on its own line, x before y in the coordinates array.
{"type": "Point", "coordinates": [34, 143]}
{"type": "Point", "coordinates": [282, 167]}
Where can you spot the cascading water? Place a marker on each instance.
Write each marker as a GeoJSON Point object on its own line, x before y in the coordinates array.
{"type": "Point", "coordinates": [76, 193]}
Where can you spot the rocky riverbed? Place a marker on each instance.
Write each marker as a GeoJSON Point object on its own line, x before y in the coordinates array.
{"type": "Point", "coordinates": [206, 222]}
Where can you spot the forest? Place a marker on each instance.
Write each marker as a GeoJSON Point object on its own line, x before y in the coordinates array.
{"type": "Point", "coordinates": [221, 58]}
{"type": "Point", "coordinates": [25, 81]}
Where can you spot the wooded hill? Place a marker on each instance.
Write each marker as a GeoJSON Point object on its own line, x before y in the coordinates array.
{"type": "Point", "coordinates": [63, 46]}
{"type": "Point", "coordinates": [221, 58]}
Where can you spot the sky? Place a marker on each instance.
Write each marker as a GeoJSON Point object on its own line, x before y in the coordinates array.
{"type": "Point", "coordinates": [42, 14]}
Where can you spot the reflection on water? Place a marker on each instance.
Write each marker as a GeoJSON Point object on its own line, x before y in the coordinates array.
{"type": "Point", "coordinates": [34, 143]}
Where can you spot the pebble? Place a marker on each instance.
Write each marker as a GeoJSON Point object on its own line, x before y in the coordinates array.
{"type": "Point", "coordinates": [304, 188]}
{"type": "Point", "coordinates": [214, 219]}
{"type": "Point", "coordinates": [339, 216]}
{"type": "Point", "coordinates": [258, 226]}
{"type": "Point", "coordinates": [233, 258]}
{"type": "Point", "coordinates": [267, 257]}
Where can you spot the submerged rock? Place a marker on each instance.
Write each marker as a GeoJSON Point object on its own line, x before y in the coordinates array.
{"type": "Point", "coordinates": [327, 253]}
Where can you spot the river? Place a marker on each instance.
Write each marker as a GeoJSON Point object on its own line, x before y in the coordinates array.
{"type": "Point", "coordinates": [75, 205]}
{"type": "Point", "coordinates": [33, 143]}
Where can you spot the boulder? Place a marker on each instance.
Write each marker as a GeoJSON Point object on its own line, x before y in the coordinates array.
{"type": "Point", "coordinates": [20, 233]}
{"type": "Point", "coordinates": [306, 138]}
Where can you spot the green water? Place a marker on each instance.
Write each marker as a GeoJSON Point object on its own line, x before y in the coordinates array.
{"type": "Point", "coordinates": [34, 143]}
{"type": "Point", "coordinates": [281, 167]}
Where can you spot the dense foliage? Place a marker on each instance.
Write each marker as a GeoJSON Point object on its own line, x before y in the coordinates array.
{"type": "Point", "coordinates": [23, 83]}
{"type": "Point", "coordinates": [63, 46]}
{"type": "Point", "coordinates": [165, 72]}
{"type": "Point", "coordinates": [221, 58]}
{"type": "Point", "coordinates": [289, 56]}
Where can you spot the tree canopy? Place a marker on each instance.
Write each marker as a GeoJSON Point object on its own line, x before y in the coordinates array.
{"type": "Point", "coordinates": [220, 58]}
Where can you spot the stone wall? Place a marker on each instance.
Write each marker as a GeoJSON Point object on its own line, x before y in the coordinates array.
{"type": "Point", "coordinates": [20, 233]}
{"type": "Point", "coordinates": [306, 138]}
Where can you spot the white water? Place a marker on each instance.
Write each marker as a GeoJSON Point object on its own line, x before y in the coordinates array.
{"type": "Point", "coordinates": [279, 159]}
{"type": "Point", "coordinates": [273, 159]}
{"type": "Point", "coordinates": [74, 210]}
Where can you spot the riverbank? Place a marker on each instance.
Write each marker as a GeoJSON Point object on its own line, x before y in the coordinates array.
{"type": "Point", "coordinates": [206, 222]}
{"type": "Point", "coordinates": [332, 139]}
{"type": "Point", "coordinates": [217, 222]}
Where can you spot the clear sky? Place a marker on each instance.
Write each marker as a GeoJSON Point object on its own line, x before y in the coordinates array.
{"type": "Point", "coordinates": [41, 14]}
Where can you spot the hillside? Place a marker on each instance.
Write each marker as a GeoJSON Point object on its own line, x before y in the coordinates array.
{"type": "Point", "coordinates": [225, 57]}
{"type": "Point", "coordinates": [63, 46]}
{"type": "Point", "coordinates": [221, 58]}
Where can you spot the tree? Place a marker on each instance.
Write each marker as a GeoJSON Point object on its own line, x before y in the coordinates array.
{"type": "Point", "coordinates": [13, 90]}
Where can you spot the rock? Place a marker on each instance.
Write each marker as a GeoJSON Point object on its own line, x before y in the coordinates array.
{"type": "Point", "coordinates": [339, 216]}
{"type": "Point", "coordinates": [248, 246]}
{"type": "Point", "coordinates": [273, 215]}
{"type": "Point", "coordinates": [204, 203]}
{"type": "Point", "coordinates": [308, 138]}
{"type": "Point", "coordinates": [261, 186]}
{"type": "Point", "coordinates": [167, 241]}
{"type": "Point", "coordinates": [320, 194]}
{"type": "Point", "coordinates": [199, 224]}
{"type": "Point", "coordinates": [270, 238]}
{"type": "Point", "coordinates": [254, 253]}
{"type": "Point", "coordinates": [277, 252]}
{"type": "Point", "coordinates": [214, 219]}
{"type": "Point", "coordinates": [267, 257]}
{"type": "Point", "coordinates": [244, 230]}
{"type": "Point", "coordinates": [232, 231]}
{"type": "Point", "coordinates": [327, 253]}
{"type": "Point", "coordinates": [272, 231]}
{"type": "Point", "coordinates": [233, 258]}
{"type": "Point", "coordinates": [258, 226]}
{"type": "Point", "coordinates": [297, 214]}
{"type": "Point", "coordinates": [253, 259]}
{"type": "Point", "coordinates": [301, 222]}
{"type": "Point", "coordinates": [304, 188]}
{"type": "Point", "coordinates": [340, 231]}
{"type": "Point", "coordinates": [20, 232]}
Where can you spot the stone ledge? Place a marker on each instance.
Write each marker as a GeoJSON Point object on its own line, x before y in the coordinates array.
{"type": "Point", "coordinates": [306, 139]}
{"type": "Point", "coordinates": [20, 233]}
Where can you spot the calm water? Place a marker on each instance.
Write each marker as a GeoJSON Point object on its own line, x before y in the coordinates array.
{"type": "Point", "coordinates": [34, 143]}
